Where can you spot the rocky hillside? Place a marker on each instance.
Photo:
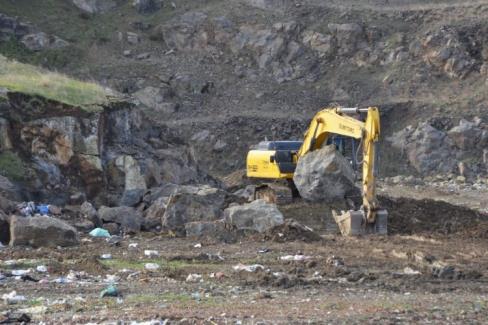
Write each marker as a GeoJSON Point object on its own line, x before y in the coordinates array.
{"type": "Point", "coordinates": [209, 78]}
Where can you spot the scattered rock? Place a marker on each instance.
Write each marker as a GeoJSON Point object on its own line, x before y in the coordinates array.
{"type": "Point", "coordinates": [466, 135]}
{"type": "Point", "coordinates": [41, 231]}
{"type": "Point", "coordinates": [324, 175]}
{"type": "Point", "coordinates": [292, 230]}
{"type": "Point", "coordinates": [258, 215]}
{"type": "Point", "coordinates": [41, 41]}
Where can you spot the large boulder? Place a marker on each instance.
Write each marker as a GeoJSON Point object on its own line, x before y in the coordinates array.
{"type": "Point", "coordinates": [154, 214]}
{"type": "Point", "coordinates": [193, 203]}
{"type": "Point", "coordinates": [128, 218]}
{"type": "Point", "coordinates": [42, 231]}
{"type": "Point", "coordinates": [95, 6]}
{"type": "Point", "coordinates": [258, 215]}
{"type": "Point", "coordinates": [324, 175]}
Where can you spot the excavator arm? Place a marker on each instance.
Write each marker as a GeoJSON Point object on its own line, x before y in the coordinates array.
{"type": "Point", "coordinates": [335, 121]}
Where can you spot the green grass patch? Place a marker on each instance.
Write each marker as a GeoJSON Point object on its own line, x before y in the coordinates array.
{"type": "Point", "coordinates": [11, 166]}
{"type": "Point", "coordinates": [28, 79]}
{"type": "Point", "coordinates": [119, 264]}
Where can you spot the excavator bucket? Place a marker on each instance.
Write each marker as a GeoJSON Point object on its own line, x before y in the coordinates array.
{"type": "Point", "coordinates": [353, 223]}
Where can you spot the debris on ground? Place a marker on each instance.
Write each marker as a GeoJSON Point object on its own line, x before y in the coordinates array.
{"type": "Point", "coordinates": [248, 268]}
{"type": "Point", "coordinates": [13, 298]}
{"type": "Point", "coordinates": [194, 277]}
{"type": "Point", "coordinates": [151, 266]}
{"type": "Point", "coordinates": [295, 258]}
{"type": "Point", "coordinates": [99, 232]}
{"type": "Point", "coordinates": [151, 253]}
{"type": "Point", "coordinates": [110, 291]}
{"type": "Point", "coordinates": [292, 230]}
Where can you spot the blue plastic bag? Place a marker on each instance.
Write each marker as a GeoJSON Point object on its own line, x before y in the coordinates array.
{"type": "Point", "coordinates": [100, 232]}
{"type": "Point", "coordinates": [42, 209]}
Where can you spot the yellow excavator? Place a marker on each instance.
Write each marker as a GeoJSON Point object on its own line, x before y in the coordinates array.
{"type": "Point", "coordinates": [277, 160]}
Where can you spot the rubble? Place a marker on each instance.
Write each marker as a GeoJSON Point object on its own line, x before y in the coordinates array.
{"type": "Point", "coordinates": [128, 218]}
{"type": "Point", "coordinates": [324, 175]}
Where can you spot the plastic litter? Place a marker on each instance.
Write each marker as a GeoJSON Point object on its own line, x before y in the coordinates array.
{"type": "Point", "coordinates": [110, 291]}
{"type": "Point", "coordinates": [194, 277]}
{"type": "Point", "coordinates": [114, 240]}
{"type": "Point", "coordinates": [12, 298]}
{"type": "Point", "coordinates": [198, 245]}
{"type": "Point", "coordinates": [21, 272]}
{"type": "Point", "coordinates": [133, 245]}
{"type": "Point", "coordinates": [410, 271]}
{"type": "Point", "coordinates": [106, 256]}
{"type": "Point", "coordinates": [151, 253]}
{"type": "Point", "coordinates": [151, 266]}
{"type": "Point", "coordinates": [99, 232]}
{"type": "Point", "coordinates": [41, 269]}
{"type": "Point", "coordinates": [42, 209]}
{"type": "Point", "coordinates": [248, 268]}
{"type": "Point", "coordinates": [295, 258]}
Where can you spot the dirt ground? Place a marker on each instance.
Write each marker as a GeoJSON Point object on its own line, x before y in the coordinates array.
{"type": "Point", "coordinates": [424, 272]}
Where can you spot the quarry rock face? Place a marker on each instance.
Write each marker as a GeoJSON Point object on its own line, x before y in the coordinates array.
{"type": "Point", "coordinates": [258, 215]}
{"type": "Point", "coordinates": [324, 175]}
{"type": "Point", "coordinates": [41, 231]}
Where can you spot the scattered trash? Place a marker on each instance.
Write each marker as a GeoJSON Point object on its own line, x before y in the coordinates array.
{"type": "Point", "coordinates": [110, 291]}
{"type": "Point", "coordinates": [111, 278]}
{"type": "Point", "coordinates": [14, 318]}
{"type": "Point", "coordinates": [43, 209]}
{"type": "Point", "coordinates": [217, 275]}
{"type": "Point", "coordinates": [133, 245]}
{"type": "Point", "coordinates": [106, 256]}
{"type": "Point", "coordinates": [34, 310]}
{"type": "Point", "coordinates": [263, 250]}
{"type": "Point", "coordinates": [248, 268]}
{"type": "Point", "coordinates": [196, 296]}
{"type": "Point", "coordinates": [27, 209]}
{"type": "Point", "coordinates": [62, 280]}
{"type": "Point", "coordinates": [199, 245]}
{"type": "Point", "coordinates": [12, 298]}
{"type": "Point", "coordinates": [151, 253]}
{"type": "Point", "coordinates": [151, 266]}
{"type": "Point", "coordinates": [27, 277]}
{"type": "Point", "coordinates": [20, 272]}
{"type": "Point", "coordinates": [41, 269]}
{"type": "Point", "coordinates": [410, 271]}
{"type": "Point", "coordinates": [99, 232]}
{"type": "Point", "coordinates": [114, 240]}
{"type": "Point", "coordinates": [193, 277]}
{"type": "Point", "coordinates": [335, 261]}
{"type": "Point", "coordinates": [295, 258]}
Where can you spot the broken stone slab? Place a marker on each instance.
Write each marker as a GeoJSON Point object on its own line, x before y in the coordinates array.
{"type": "Point", "coordinates": [128, 218]}
{"type": "Point", "coordinates": [258, 215]}
{"type": "Point", "coordinates": [154, 214]}
{"type": "Point", "coordinates": [42, 231]}
{"type": "Point", "coordinates": [324, 175]}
